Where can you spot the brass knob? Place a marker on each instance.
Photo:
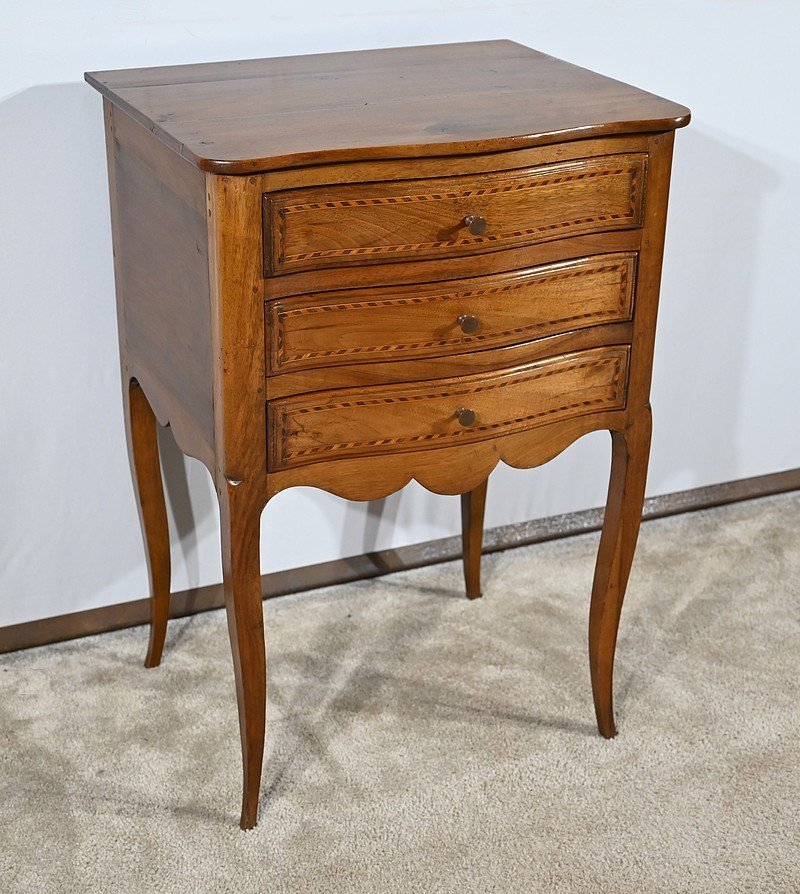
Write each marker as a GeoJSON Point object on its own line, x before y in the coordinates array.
{"type": "Point", "coordinates": [477, 224]}
{"type": "Point", "coordinates": [468, 323]}
{"type": "Point", "coordinates": [465, 417]}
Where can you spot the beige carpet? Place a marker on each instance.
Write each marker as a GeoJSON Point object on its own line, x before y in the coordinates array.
{"type": "Point", "coordinates": [421, 743]}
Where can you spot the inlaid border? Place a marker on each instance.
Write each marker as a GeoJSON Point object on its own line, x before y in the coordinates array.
{"type": "Point", "coordinates": [281, 361]}
{"type": "Point", "coordinates": [565, 172]}
{"type": "Point", "coordinates": [616, 358]}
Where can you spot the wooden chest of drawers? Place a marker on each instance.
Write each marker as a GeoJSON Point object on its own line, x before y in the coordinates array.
{"type": "Point", "coordinates": [351, 270]}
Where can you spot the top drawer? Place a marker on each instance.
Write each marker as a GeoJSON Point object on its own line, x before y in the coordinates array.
{"type": "Point", "coordinates": [373, 223]}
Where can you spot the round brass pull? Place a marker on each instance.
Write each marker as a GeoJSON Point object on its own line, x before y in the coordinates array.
{"type": "Point", "coordinates": [465, 417]}
{"type": "Point", "coordinates": [477, 224]}
{"type": "Point", "coordinates": [468, 323]}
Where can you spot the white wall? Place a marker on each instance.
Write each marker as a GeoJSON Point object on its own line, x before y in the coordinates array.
{"type": "Point", "coordinates": [725, 392]}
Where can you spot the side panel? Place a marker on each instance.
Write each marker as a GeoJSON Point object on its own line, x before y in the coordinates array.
{"type": "Point", "coordinates": [160, 228]}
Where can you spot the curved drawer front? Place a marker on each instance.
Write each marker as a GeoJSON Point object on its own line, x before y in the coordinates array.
{"type": "Point", "coordinates": [379, 419]}
{"type": "Point", "coordinates": [378, 222]}
{"type": "Point", "coordinates": [426, 320]}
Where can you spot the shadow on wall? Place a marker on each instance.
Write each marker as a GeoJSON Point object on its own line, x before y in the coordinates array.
{"type": "Point", "coordinates": [708, 298]}
{"type": "Point", "coordinates": [363, 522]}
{"type": "Point", "coordinates": [65, 477]}
{"type": "Point", "coordinates": [189, 502]}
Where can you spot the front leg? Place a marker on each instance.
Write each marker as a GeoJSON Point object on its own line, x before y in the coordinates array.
{"type": "Point", "coordinates": [629, 459]}
{"type": "Point", "coordinates": [240, 508]}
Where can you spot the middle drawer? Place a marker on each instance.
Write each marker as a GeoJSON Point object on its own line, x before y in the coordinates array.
{"type": "Point", "coordinates": [404, 322]}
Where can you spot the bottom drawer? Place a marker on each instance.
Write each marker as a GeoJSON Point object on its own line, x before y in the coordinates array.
{"type": "Point", "coordinates": [379, 419]}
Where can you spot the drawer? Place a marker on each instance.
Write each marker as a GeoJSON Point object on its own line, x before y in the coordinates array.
{"type": "Point", "coordinates": [439, 318]}
{"type": "Point", "coordinates": [383, 419]}
{"type": "Point", "coordinates": [368, 223]}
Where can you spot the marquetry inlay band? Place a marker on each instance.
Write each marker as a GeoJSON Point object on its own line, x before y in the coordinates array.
{"type": "Point", "coordinates": [457, 194]}
{"type": "Point", "coordinates": [613, 360]}
{"type": "Point", "coordinates": [619, 309]}
{"type": "Point", "coordinates": [633, 168]}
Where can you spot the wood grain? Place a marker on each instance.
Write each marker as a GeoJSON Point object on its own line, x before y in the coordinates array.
{"type": "Point", "coordinates": [237, 328]}
{"type": "Point", "coordinates": [422, 272]}
{"type": "Point", "coordinates": [161, 266]}
{"type": "Point", "coordinates": [431, 167]}
{"type": "Point", "coordinates": [408, 102]}
{"type": "Point", "coordinates": [352, 422]}
{"type": "Point", "coordinates": [448, 365]}
{"type": "Point", "coordinates": [399, 323]}
{"type": "Point", "coordinates": [387, 222]}
{"type": "Point", "coordinates": [442, 470]}
{"type": "Point", "coordinates": [237, 337]}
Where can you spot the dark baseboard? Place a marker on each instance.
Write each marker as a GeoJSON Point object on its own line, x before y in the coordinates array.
{"type": "Point", "coordinates": [200, 599]}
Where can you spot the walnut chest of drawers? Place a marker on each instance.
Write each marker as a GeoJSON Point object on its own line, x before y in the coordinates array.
{"type": "Point", "coordinates": [351, 270]}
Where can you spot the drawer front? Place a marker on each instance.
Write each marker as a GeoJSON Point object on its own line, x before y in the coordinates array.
{"type": "Point", "coordinates": [440, 318]}
{"type": "Point", "coordinates": [383, 419]}
{"type": "Point", "coordinates": [369, 223]}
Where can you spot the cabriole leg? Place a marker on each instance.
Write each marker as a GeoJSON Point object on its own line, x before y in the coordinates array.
{"type": "Point", "coordinates": [240, 510]}
{"type": "Point", "coordinates": [630, 455]}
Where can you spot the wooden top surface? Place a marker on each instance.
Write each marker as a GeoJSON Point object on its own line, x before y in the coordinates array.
{"type": "Point", "coordinates": [448, 99]}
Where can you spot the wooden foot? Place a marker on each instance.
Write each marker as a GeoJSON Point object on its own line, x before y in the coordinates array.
{"type": "Point", "coordinates": [141, 427]}
{"type": "Point", "coordinates": [630, 454]}
{"type": "Point", "coordinates": [240, 510]}
{"type": "Point", "coordinates": [473, 504]}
